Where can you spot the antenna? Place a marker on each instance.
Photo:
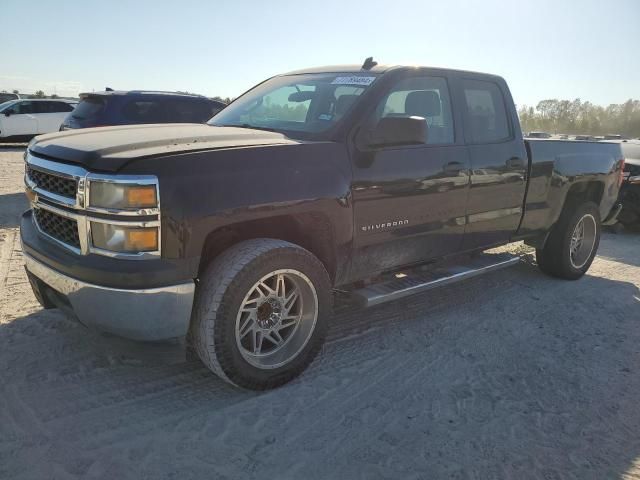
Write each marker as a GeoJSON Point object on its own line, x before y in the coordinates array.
{"type": "Point", "coordinates": [369, 63]}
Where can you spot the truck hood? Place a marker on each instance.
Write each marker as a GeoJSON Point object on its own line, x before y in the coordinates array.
{"type": "Point", "coordinates": [110, 148]}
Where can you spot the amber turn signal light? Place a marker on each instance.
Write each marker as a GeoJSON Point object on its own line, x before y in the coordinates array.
{"type": "Point", "coordinates": [141, 196]}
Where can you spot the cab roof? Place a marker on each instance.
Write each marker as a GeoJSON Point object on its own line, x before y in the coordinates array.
{"type": "Point", "coordinates": [140, 92]}
{"type": "Point", "coordinates": [379, 69]}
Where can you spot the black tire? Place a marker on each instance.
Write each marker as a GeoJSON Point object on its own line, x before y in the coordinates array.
{"type": "Point", "coordinates": [224, 288]}
{"type": "Point", "coordinates": [555, 257]}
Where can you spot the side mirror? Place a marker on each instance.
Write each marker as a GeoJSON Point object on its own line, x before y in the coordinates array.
{"type": "Point", "coordinates": [392, 131]}
{"type": "Point", "coordinates": [8, 112]}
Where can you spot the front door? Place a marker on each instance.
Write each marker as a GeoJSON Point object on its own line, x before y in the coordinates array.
{"type": "Point", "coordinates": [410, 201]}
{"type": "Point", "coordinates": [21, 120]}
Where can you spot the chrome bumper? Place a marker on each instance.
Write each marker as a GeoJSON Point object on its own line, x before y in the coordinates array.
{"type": "Point", "coordinates": [149, 314]}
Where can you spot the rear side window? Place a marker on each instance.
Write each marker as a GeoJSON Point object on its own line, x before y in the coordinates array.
{"type": "Point", "coordinates": [426, 97]}
{"type": "Point", "coordinates": [486, 115]}
{"type": "Point", "coordinates": [88, 108]}
{"type": "Point", "coordinates": [51, 107]}
{"type": "Point", "coordinates": [57, 107]}
{"type": "Point", "coordinates": [143, 111]}
{"type": "Point", "coordinates": [41, 107]}
{"type": "Point", "coordinates": [187, 111]}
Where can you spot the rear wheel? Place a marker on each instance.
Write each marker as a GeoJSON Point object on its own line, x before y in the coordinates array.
{"type": "Point", "coordinates": [572, 244]}
{"type": "Point", "coordinates": [261, 313]}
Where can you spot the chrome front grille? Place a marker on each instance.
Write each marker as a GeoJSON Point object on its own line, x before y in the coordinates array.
{"type": "Point", "coordinates": [59, 195]}
{"type": "Point", "coordinates": [66, 187]}
{"type": "Point", "coordinates": [61, 228]}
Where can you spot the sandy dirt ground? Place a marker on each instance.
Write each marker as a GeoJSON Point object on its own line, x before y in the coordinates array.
{"type": "Point", "coordinates": [512, 375]}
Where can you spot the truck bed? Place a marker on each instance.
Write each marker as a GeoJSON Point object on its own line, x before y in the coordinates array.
{"type": "Point", "coordinates": [555, 165]}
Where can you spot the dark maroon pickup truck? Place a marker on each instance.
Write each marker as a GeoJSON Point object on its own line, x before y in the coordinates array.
{"type": "Point", "coordinates": [380, 182]}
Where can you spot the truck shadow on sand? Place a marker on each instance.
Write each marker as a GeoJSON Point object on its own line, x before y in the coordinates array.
{"type": "Point", "coordinates": [616, 248]}
{"type": "Point", "coordinates": [510, 375]}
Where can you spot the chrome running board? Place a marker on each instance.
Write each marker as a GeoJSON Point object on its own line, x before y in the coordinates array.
{"type": "Point", "coordinates": [411, 283]}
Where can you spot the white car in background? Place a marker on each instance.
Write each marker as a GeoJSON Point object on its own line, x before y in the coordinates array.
{"type": "Point", "coordinates": [25, 118]}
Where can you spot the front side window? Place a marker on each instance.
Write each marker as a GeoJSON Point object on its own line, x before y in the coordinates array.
{"type": "Point", "coordinates": [22, 107]}
{"type": "Point", "coordinates": [426, 97]}
{"type": "Point", "coordinates": [486, 115]}
{"type": "Point", "coordinates": [308, 104]}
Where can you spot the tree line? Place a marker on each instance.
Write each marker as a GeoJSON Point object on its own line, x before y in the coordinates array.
{"type": "Point", "coordinates": [582, 118]}
{"type": "Point", "coordinates": [36, 94]}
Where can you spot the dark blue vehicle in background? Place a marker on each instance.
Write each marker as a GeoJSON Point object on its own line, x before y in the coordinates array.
{"type": "Point", "coordinates": [111, 107]}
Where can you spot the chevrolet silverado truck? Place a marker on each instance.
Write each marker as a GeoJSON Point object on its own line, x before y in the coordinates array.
{"type": "Point", "coordinates": [375, 182]}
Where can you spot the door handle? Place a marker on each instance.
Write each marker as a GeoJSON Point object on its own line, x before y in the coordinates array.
{"type": "Point", "coordinates": [453, 167]}
{"type": "Point", "coordinates": [515, 163]}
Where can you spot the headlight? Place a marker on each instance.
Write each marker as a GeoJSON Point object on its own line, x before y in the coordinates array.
{"type": "Point", "coordinates": [122, 239]}
{"type": "Point", "coordinates": [120, 196]}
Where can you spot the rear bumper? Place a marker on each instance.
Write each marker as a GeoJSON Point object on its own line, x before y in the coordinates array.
{"type": "Point", "coordinates": [151, 314]}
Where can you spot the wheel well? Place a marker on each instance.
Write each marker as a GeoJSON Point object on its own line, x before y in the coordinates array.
{"type": "Point", "coordinates": [584, 192]}
{"type": "Point", "coordinates": [577, 194]}
{"type": "Point", "coordinates": [310, 231]}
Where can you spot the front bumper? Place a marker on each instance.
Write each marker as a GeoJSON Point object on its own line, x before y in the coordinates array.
{"type": "Point", "coordinates": [151, 314]}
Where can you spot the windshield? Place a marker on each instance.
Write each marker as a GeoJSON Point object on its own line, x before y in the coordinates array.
{"type": "Point", "coordinates": [4, 105]}
{"type": "Point", "coordinates": [307, 104]}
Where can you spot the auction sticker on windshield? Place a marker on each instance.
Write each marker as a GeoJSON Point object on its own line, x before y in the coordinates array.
{"type": "Point", "coordinates": [353, 80]}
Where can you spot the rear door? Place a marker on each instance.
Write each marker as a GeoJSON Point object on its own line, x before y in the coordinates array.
{"type": "Point", "coordinates": [410, 201]}
{"type": "Point", "coordinates": [21, 121]}
{"type": "Point", "coordinates": [498, 161]}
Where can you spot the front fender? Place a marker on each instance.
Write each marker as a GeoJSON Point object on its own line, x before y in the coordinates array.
{"type": "Point", "coordinates": [203, 192]}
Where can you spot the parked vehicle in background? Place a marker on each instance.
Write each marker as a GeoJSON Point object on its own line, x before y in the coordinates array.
{"type": "Point", "coordinates": [5, 97]}
{"type": "Point", "coordinates": [539, 135]}
{"type": "Point", "coordinates": [312, 181]}
{"type": "Point", "coordinates": [584, 138]}
{"type": "Point", "coordinates": [612, 136]}
{"type": "Point", "coordinates": [563, 136]}
{"type": "Point", "coordinates": [137, 106]}
{"type": "Point", "coordinates": [630, 191]}
{"type": "Point", "coordinates": [24, 119]}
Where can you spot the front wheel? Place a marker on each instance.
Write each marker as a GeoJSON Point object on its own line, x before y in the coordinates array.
{"type": "Point", "coordinates": [261, 313]}
{"type": "Point", "coordinates": [572, 244]}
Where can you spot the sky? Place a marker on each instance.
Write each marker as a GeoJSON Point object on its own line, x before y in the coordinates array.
{"type": "Point", "coordinates": [587, 49]}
